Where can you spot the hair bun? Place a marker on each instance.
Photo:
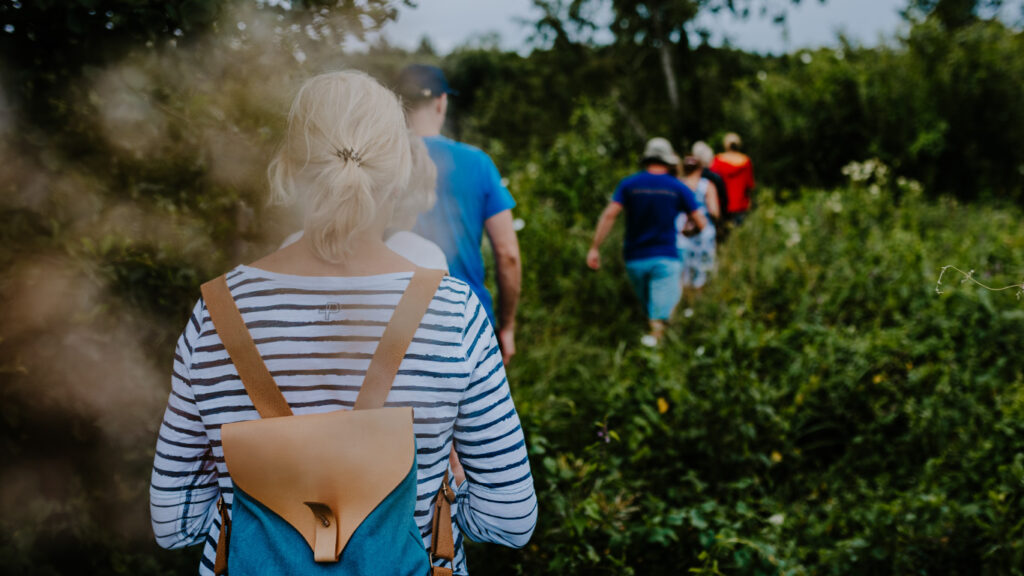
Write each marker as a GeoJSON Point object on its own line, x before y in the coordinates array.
{"type": "Point", "coordinates": [341, 120]}
{"type": "Point", "coordinates": [349, 154]}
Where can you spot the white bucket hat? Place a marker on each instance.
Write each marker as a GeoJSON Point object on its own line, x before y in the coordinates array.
{"type": "Point", "coordinates": [660, 150]}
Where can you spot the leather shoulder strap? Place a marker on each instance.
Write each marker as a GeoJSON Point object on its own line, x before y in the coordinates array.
{"type": "Point", "coordinates": [227, 320]}
{"type": "Point", "coordinates": [397, 336]}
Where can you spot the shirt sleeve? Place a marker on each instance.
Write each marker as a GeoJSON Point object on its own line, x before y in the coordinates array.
{"type": "Point", "coordinates": [183, 488]}
{"type": "Point", "coordinates": [497, 198]}
{"type": "Point", "coordinates": [620, 193]}
{"type": "Point", "coordinates": [496, 503]}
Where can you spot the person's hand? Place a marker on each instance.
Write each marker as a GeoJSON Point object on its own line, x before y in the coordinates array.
{"type": "Point", "coordinates": [507, 342]}
{"type": "Point", "coordinates": [594, 259]}
{"type": "Point", "coordinates": [458, 472]}
{"type": "Point", "coordinates": [690, 229]}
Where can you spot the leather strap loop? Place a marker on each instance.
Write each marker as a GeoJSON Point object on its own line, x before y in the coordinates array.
{"type": "Point", "coordinates": [325, 539]}
{"type": "Point", "coordinates": [220, 565]}
{"type": "Point", "coordinates": [227, 320]}
{"type": "Point", "coordinates": [397, 336]}
{"type": "Point", "coordinates": [442, 540]}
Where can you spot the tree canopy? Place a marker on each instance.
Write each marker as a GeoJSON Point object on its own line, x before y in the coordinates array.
{"type": "Point", "coordinates": [47, 43]}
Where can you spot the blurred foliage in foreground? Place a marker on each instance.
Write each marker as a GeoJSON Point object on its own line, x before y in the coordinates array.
{"type": "Point", "coordinates": [823, 410]}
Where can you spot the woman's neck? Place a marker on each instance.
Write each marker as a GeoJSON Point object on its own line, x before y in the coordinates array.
{"type": "Point", "coordinates": [425, 122]}
{"type": "Point", "coordinates": [733, 157]}
{"type": "Point", "coordinates": [368, 255]}
{"type": "Point", "coordinates": [692, 180]}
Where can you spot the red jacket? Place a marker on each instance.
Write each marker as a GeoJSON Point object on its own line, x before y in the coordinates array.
{"type": "Point", "coordinates": [738, 172]}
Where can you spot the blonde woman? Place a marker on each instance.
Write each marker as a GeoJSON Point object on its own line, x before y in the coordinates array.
{"type": "Point", "coordinates": [316, 310]}
{"type": "Point", "coordinates": [702, 151]}
{"type": "Point", "coordinates": [418, 197]}
{"type": "Point", "coordinates": [697, 251]}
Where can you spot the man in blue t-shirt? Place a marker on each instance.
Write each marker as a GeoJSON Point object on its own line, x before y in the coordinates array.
{"type": "Point", "coordinates": [470, 199]}
{"type": "Point", "coordinates": [652, 199]}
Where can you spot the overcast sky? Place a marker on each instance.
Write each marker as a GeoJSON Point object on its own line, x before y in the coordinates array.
{"type": "Point", "coordinates": [449, 23]}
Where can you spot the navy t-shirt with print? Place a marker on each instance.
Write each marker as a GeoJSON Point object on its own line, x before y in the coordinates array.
{"type": "Point", "coordinates": [652, 202]}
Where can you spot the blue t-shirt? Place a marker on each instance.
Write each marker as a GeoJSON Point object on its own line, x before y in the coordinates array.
{"type": "Point", "coordinates": [469, 191]}
{"type": "Point", "coordinates": [652, 202]}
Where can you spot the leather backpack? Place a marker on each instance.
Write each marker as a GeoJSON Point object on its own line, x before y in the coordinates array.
{"type": "Point", "coordinates": [331, 493]}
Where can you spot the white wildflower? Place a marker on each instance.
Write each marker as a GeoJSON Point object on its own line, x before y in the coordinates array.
{"type": "Point", "coordinates": [834, 203]}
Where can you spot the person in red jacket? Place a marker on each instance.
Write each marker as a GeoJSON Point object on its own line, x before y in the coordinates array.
{"type": "Point", "coordinates": [738, 172]}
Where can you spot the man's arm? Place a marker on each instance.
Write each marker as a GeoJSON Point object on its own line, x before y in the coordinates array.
{"type": "Point", "coordinates": [723, 194]}
{"type": "Point", "coordinates": [688, 205]}
{"type": "Point", "coordinates": [502, 234]}
{"type": "Point", "coordinates": [604, 226]}
{"type": "Point", "coordinates": [711, 200]}
{"type": "Point", "coordinates": [750, 184]}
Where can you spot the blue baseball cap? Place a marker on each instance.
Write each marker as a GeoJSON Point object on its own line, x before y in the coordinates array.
{"type": "Point", "coordinates": [423, 82]}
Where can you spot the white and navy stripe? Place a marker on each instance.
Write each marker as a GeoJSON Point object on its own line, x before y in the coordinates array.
{"type": "Point", "coordinates": [317, 336]}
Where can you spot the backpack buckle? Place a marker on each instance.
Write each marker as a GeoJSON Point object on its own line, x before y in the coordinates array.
{"type": "Point", "coordinates": [449, 494]}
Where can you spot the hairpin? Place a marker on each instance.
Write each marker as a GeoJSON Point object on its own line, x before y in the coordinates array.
{"type": "Point", "coordinates": [350, 155]}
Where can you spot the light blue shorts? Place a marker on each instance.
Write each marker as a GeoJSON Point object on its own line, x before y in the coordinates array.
{"type": "Point", "coordinates": [658, 284]}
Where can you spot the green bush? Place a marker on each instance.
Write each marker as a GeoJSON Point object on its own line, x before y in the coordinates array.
{"type": "Point", "coordinates": [823, 410]}
{"type": "Point", "coordinates": [938, 105]}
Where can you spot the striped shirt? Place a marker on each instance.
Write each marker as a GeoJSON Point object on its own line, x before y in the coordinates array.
{"type": "Point", "coordinates": [317, 336]}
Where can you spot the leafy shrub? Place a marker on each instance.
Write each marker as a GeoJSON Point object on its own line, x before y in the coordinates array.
{"type": "Point", "coordinates": [939, 106]}
{"type": "Point", "coordinates": [822, 411]}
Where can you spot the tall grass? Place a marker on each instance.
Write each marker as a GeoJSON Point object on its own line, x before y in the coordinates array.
{"type": "Point", "coordinates": [822, 411]}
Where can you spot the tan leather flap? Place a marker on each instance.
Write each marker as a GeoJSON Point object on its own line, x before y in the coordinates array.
{"type": "Point", "coordinates": [348, 460]}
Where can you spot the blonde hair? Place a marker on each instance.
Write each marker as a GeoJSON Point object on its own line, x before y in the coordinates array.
{"type": "Point", "coordinates": [345, 154]}
{"type": "Point", "coordinates": [421, 193]}
{"type": "Point", "coordinates": [732, 141]}
{"type": "Point", "coordinates": [703, 152]}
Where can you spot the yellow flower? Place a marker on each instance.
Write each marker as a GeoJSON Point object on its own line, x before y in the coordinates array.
{"type": "Point", "coordinates": [878, 378]}
{"type": "Point", "coordinates": [776, 456]}
{"type": "Point", "coordinates": [662, 405]}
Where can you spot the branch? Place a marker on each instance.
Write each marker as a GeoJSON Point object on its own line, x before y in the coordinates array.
{"type": "Point", "coordinates": [969, 277]}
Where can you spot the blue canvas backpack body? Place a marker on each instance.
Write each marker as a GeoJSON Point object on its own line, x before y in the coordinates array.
{"type": "Point", "coordinates": [331, 493]}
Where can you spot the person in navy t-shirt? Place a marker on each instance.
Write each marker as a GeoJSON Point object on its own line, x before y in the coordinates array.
{"type": "Point", "coordinates": [471, 199]}
{"type": "Point", "coordinates": [652, 199]}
